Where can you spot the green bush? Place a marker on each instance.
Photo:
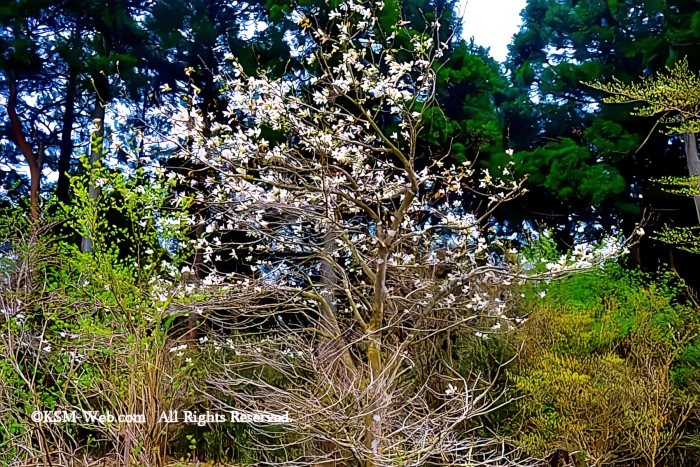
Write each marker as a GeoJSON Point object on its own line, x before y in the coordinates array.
{"type": "Point", "coordinates": [607, 369]}
{"type": "Point", "coordinates": [92, 331]}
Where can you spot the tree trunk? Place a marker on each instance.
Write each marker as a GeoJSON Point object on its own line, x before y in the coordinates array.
{"type": "Point", "coordinates": [374, 349]}
{"type": "Point", "coordinates": [66, 147]}
{"type": "Point", "coordinates": [636, 256]}
{"type": "Point", "coordinates": [199, 274]}
{"type": "Point", "coordinates": [96, 144]}
{"type": "Point", "coordinates": [691, 154]}
{"type": "Point", "coordinates": [671, 259]}
{"type": "Point", "coordinates": [32, 160]}
{"type": "Point", "coordinates": [329, 279]}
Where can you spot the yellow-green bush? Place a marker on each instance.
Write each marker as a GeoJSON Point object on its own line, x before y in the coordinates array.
{"type": "Point", "coordinates": [606, 371]}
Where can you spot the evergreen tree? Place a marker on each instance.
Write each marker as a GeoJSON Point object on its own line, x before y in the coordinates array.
{"type": "Point", "coordinates": [29, 72]}
{"type": "Point", "coordinates": [591, 161]}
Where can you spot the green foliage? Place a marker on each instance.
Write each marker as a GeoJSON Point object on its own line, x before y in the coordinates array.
{"type": "Point", "coordinates": [563, 169]}
{"type": "Point", "coordinates": [610, 141]}
{"type": "Point", "coordinates": [92, 331]}
{"type": "Point", "coordinates": [563, 44]}
{"type": "Point", "coordinates": [674, 93]}
{"type": "Point", "coordinates": [683, 186]}
{"type": "Point", "coordinates": [468, 120]}
{"type": "Point", "coordinates": [684, 238]}
{"type": "Point", "coordinates": [609, 349]}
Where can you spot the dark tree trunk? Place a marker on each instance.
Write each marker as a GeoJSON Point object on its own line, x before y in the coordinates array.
{"type": "Point", "coordinates": [32, 160]}
{"type": "Point", "coordinates": [691, 154]}
{"type": "Point", "coordinates": [66, 147]}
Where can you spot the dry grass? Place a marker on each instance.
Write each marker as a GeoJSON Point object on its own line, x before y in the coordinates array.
{"type": "Point", "coordinates": [113, 462]}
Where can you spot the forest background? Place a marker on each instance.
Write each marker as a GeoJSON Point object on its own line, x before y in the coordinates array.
{"type": "Point", "coordinates": [474, 263]}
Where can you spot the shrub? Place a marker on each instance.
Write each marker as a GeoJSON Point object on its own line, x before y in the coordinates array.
{"type": "Point", "coordinates": [606, 368]}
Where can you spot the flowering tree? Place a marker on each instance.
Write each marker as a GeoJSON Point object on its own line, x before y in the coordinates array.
{"type": "Point", "coordinates": [364, 264]}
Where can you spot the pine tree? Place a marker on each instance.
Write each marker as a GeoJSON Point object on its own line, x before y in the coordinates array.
{"type": "Point", "coordinates": [591, 161]}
